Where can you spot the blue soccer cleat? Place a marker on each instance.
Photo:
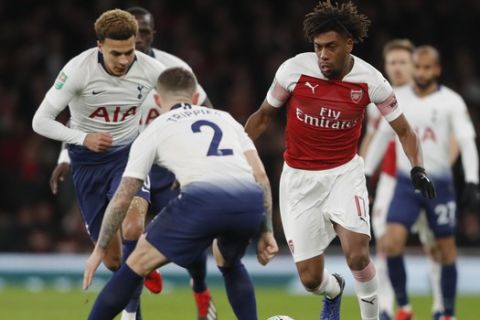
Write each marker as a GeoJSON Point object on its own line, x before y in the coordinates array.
{"type": "Point", "coordinates": [436, 315]}
{"type": "Point", "coordinates": [331, 307]}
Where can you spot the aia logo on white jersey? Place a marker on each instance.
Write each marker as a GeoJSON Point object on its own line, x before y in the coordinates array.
{"type": "Point", "coordinates": [312, 87]}
{"type": "Point", "coordinates": [356, 95]}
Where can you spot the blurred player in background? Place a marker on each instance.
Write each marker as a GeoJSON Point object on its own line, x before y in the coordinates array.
{"type": "Point", "coordinates": [398, 61]}
{"type": "Point", "coordinates": [436, 112]}
{"type": "Point", "coordinates": [162, 181]}
{"type": "Point", "coordinates": [104, 88]}
{"type": "Point", "coordinates": [322, 188]}
{"type": "Point", "coordinates": [225, 195]}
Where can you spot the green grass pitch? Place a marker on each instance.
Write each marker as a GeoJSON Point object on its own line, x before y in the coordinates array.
{"type": "Point", "coordinates": [178, 304]}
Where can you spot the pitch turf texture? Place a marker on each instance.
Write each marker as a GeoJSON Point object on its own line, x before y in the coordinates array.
{"type": "Point", "coordinates": [178, 304]}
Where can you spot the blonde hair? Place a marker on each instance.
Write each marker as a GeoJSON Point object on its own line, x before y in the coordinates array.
{"type": "Point", "coordinates": [116, 24]}
{"type": "Point", "coordinates": [177, 80]}
{"type": "Point", "coordinates": [398, 44]}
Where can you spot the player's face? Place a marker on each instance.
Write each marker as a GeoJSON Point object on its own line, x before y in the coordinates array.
{"type": "Point", "coordinates": [144, 39]}
{"type": "Point", "coordinates": [426, 69]}
{"type": "Point", "coordinates": [118, 55]}
{"type": "Point", "coordinates": [399, 67]}
{"type": "Point", "coordinates": [333, 52]}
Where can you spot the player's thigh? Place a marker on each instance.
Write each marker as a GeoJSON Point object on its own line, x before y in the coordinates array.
{"type": "Point", "coordinates": [302, 196]}
{"type": "Point", "coordinates": [347, 203]}
{"type": "Point", "coordinates": [405, 205]}
{"type": "Point", "coordinates": [145, 257]}
{"type": "Point", "coordinates": [442, 212]}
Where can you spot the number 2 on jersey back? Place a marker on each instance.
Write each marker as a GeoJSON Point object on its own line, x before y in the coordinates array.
{"type": "Point", "coordinates": [217, 137]}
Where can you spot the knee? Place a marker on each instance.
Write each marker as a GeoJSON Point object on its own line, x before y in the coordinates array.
{"type": "Point", "coordinates": [358, 260]}
{"type": "Point", "coordinates": [132, 229]}
{"type": "Point", "coordinates": [392, 246]}
{"type": "Point", "coordinates": [311, 281]}
{"type": "Point", "coordinates": [112, 263]}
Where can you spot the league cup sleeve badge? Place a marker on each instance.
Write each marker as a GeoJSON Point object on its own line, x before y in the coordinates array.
{"type": "Point", "coordinates": [62, 77]}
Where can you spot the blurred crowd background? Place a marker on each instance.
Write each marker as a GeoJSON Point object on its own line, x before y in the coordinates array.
{"type": "Point", "coordinates": [234, 47]}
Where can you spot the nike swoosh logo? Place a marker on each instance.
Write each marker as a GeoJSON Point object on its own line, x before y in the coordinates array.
{"type": "Point", "coordinates": [97, 92]}
{"type": "Point", "coordinates": [370, 302]}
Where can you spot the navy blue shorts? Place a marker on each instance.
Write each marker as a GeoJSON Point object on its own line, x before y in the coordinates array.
{"type": "Point", "coordinates": [186, 227]}
{"type": "Point", "coordinates": [161, 188]}
{"type": "Point", "coordinates": [96, 177]}
{"type": "Point", "coordinates": [441, 211]}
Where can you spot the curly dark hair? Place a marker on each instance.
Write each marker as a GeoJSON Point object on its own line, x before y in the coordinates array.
{"type": "Point", "coordinates": [342, 18]}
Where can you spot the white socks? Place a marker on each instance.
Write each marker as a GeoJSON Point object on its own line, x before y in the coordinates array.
{"type": "Point", "coordinates": [329, 286]}
{"type": "Point", "coordinates": [128, 315]}
{"type": "Point", "coordinates": [366, 286]}
{"type": "Point", "coordinates": [385, 291]}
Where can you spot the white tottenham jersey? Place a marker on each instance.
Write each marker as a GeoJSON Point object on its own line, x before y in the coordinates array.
{"type": "Point", "coordinates": [434, 118]}
{"type": "Point", "coordinates": [100, 102]}
{"type": "Point", "coordinates": [196, 143]}
{"type": "Point", "coordinates": [149, 108]}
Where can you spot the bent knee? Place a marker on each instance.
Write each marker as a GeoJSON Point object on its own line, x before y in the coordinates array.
{"type": "Point", "coordinates": [112, 263]}
{"type": "Point", "coordinates": [358, 260]}
{"type": "Point", "coordinates": [310, 281]}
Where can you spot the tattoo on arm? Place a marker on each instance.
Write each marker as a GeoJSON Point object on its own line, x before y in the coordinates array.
{"type": "Point", "coordinates": [267, 205]}
{"type": "Point", "coordinates": [117, 209]}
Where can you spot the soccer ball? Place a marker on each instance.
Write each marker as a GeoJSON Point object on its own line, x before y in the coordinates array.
{"type": "Point", "coordinates": [280, 318]}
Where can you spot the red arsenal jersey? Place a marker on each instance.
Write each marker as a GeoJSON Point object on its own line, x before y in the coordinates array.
{"type": "Point", "coordinates": [324, 117]}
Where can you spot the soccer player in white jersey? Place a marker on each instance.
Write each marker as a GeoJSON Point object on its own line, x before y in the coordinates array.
{"type": "Point", "coordinates": [436, 112]}
{"type": "Point", "coordinates": [104, 88]}
{"type": "Point", "coordinates": [161, 180]}
{"type": "Point", "coordinates": [398, 65]}
{"type": "Point", "coordinates": [322, 188]}
{"type": "Point", "coordinates": [225, 195]}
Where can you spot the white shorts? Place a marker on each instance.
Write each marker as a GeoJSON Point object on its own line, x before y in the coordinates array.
{"type": "Point", "coordinates": [384, 195]}
{"type": "Point", "coordinates": [310, 201]}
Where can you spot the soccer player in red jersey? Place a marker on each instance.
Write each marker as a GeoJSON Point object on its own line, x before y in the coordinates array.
{"type": "Point", "coordinates": [322, 188]}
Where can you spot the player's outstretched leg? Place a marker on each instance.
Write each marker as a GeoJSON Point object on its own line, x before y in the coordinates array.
{"type": "Point", "coordinates": [331, 304]}
{"type": "Point", "coordinates": [116, 294]}
{"type": "Point", "coordinates": [205, 307]}
{"type": "Point", "coordinates": [132, 310]}
{"type": "Point", "coordinates": [240, 292]}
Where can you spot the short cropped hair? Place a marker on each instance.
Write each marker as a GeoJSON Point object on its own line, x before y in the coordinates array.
{"type": "Point", "coordinates": [177, 80]}
{"type": "Point", "coordinates": [398, 44]}
{"type": "Point", "coordinates": [343, 19]}
{"type": "Point", "coordinates": [116, 24]}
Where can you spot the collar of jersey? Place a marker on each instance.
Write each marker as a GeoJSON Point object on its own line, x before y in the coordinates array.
{"type": "Point", "coordinates": [102, 62]}
{"type": "Point", "coordinates": [180, 105]}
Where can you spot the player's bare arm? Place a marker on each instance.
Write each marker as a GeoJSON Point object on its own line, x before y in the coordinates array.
{"type": "Point", "coordinates": [257, 122]}
{"type": "Point", "coordinates": [117, 209]}
{"type": "Point", "coordinates": [411, 145]}
{"type": "Point", "coordinates": [409, 140]}
{"type": "Point", "coordinates": [267, 247]}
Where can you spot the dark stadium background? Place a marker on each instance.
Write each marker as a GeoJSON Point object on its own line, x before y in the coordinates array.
{"type": "Point", "coordinates": [234, 48]}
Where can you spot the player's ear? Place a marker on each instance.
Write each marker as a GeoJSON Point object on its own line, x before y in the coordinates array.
{"type": "Point", "coordinates": [349, 45]}
{"type": "Point", "coordinates": [158, 100]}
{"type": "Point", "coordinates": [99, 45]}
{"type": "Point", "coordinates": [195, 98]}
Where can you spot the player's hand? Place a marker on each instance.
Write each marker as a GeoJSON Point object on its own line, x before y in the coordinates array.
{"type": "Point", "coordinates": [422, 183]}
{"type": "Point", "coordinates": [58, 175]}
{"type": "Point", "coordinates": [91, 266]}
{"type": "Point", "coordinates": [98, 141]}
{"type": "Point", "coordinates": [267, 247]}
{"type": "Point", "coordinates": [471, 196]}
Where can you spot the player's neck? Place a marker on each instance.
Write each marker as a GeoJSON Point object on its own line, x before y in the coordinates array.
{"type": "Point", "coordinates": [173, 102]}
{"type": "Point", "coordinates": [423, 92]}
{"type": "Point", "coordinates": [347, 68]}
